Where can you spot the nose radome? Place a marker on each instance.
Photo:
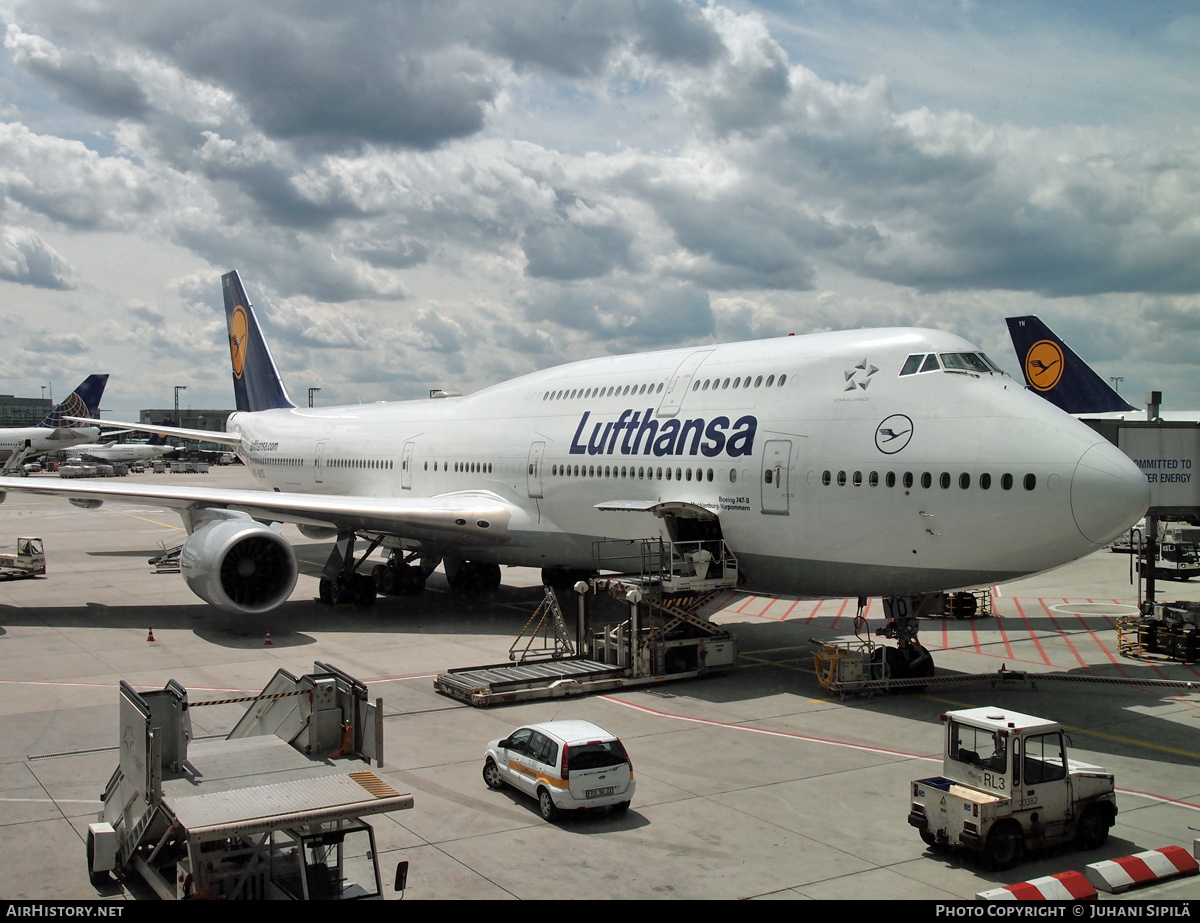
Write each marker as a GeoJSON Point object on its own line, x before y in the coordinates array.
{"type": "Point", "coordinates": [1108, 493]}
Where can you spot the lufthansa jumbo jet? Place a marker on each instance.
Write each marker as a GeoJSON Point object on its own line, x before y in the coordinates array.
{"type": "Point", "coordinates": [860, 463]}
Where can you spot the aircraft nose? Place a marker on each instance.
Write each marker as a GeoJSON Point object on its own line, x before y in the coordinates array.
{"type": "Point", "coordinates": [1108, 493]}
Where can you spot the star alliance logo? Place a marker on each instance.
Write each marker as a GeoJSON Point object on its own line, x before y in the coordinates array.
{"type": "Point", "coordinates": [859, 376]}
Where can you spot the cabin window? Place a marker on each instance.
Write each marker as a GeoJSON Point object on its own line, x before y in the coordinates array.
{"type": "Point", "coordinates": [964, 481]}
{"type": "Point", "coordinates": [926, 480]}
{"type": "Point", "coordinates": [1006, 482]}
{"type": "Point", "coordinates": [841, 479]}
{"type": "Point", "coordinates": [985, 481]}
{"type": "Point", "coordinates": [1030, 481]}
{"type": "Point", "coordinates": [908, 479]}
{"type": "Point", "coordinates": [890, 479]}
{"type": "Point", "coordinates": [826, 477]}
{"type": "Point", "coordinates": [782, 379]}
{"type": "Point", "coordinates": [873, 479]}
{"type": "Point", "coordinates": [758, 381]}
{"type": "Point", "coordinates": [857, 479]}
{"type": "Point", "coordinates": [944, 480]}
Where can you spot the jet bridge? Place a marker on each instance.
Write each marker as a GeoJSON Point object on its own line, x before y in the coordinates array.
{"type": "Point", "coordinates": [654, 633]}
{"type": "Point", "coordinates": [270, 811]}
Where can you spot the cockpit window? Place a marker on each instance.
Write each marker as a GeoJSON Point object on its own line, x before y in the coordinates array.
{"type": "Point", "coordinates": [912, 364]}
{"type": "Point", "coordinates": [965, 362]}
{"type": "Point", "coordinates": [931, 363]}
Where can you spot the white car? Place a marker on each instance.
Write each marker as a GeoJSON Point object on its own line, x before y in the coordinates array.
{"type": "Point", "coordinates": [565, 765]}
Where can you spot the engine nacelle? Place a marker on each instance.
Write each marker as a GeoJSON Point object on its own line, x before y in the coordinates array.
{"type": "Point", "coordinates": [238, 564]}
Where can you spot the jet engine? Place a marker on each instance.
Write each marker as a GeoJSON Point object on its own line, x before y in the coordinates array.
{"type": "Point", "coordinates": [238, 564]}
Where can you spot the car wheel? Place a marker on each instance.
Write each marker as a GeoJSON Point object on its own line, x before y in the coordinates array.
{"type": "Point", "coordinates": [491, 774]}
{"type": "Point", "coordinates": [1004, 846]}
{"type": "Point", "coordinates": [546, 806]}
{"type": "Point", "coordinates": [1093, 828]}
{"type": "Point", "coordinates": [621, 807]}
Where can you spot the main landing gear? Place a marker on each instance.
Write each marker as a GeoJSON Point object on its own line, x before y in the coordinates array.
{"type": "Point", "coordinates": [342, 584]}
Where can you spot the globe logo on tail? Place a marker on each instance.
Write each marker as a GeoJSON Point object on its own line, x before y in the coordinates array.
{"type": "Point", "coordinates": [238, 328]}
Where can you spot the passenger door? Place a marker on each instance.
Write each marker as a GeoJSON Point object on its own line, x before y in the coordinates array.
{"type": "Point", "coordinates": [777, 459]}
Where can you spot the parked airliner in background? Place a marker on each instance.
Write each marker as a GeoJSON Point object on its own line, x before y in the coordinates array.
{"type": "Point", "coordinates": [58, 430]}
{"type": "Point", "coordinates": [1053, 370]}
{"type": "Point", "coordinates": [859, 463]}
{"type": "Point", "coordinates": [115, 453]}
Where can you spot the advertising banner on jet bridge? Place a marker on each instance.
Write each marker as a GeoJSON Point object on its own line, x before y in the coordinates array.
{"type": "Point", "coordinates": [1169, 456]}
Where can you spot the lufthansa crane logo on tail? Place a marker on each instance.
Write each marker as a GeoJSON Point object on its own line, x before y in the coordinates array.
{"type": "Point", "coordinates": [893, 434]}
{"type": "Point", "coordinates": [1043, 365]}
{"type": "Point", "coordinates": [238, 328]}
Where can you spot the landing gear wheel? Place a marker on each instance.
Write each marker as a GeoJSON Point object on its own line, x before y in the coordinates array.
{"type": "Point", "coordinates": [377, 574]}
{"type": "Point", "coordinates": [325, 591]}
{"type": "Point", "coordinates": [1093, 828]}
{"type": "Point", "coordinates": [491, 775]}
{"type": "Point", "coordinates": [546, 805]}
{"type": "Point", "coordinates": [1004, 846]}
{"type": "Point", "coordinates": [921, 666]}
{"type": "Point", "coordinates": [888, 663]}
{"type": "Point", "coordinates": [364, 591]}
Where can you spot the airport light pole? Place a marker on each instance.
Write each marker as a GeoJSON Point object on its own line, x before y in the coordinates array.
{"type": "Point", "coordinates": [311, 392]}
{"type": "Point", "coordinates": [1116, 380]}
{"type": "Point", "coordinates": [178, 388]}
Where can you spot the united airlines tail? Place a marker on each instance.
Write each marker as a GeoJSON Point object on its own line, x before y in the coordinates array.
{"type": "Point", "coordinates": [84, 401]}
{"type": "Point", "coordinates": [1057, 374]}
{"type": "Point", "coordinates": [256, 381]}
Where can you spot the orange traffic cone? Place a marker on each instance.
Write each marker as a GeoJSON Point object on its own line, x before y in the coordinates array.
{"type": "Point", "coordinates": [150, 637]}
{"type": "Point", "coordinates": [268, 641]}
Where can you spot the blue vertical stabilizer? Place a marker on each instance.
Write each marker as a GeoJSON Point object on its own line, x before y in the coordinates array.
{"type": "Point", "coordinates": [1053, 370]}
{"type": "Point", "coordinates": [256, 381]}
{"type": "Point", "coordinates": [84, 401]}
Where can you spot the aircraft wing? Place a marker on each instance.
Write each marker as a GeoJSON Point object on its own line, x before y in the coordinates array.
{"type": "Point", "coordinates": [476, 516]}
{"type": "Point", "coordinates": [204, 435]}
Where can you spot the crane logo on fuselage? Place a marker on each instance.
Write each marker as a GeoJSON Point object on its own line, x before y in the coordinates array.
{"type": "Point", "coordinates": [238, 328]}
{"type": "Point", "coordinates": [635, 433]}
{"type": "Point", "coordinates": [893, 434]}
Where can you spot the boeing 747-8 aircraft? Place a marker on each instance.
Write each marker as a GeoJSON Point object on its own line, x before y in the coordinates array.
{"type": "Point", "coordinates": [860, 463]}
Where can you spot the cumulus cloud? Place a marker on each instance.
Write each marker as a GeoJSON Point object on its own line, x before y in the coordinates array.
{"type": "Point", "coordinates": [27, 259]}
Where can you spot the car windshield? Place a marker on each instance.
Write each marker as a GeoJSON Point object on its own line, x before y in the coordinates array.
{"type": "Point", "coordinates": [598, 754]}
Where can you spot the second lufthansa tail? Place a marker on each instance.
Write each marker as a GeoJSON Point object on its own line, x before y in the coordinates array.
{"type": "Point", "coordinates": [84, 401]}
{"type": "Point", "coordinates": [1053, 370]}
{"type": "Point", "coordinates": [256, 381]}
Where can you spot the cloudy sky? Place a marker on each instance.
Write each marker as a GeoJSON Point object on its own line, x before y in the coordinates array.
{"type": "Point", "coordinates": [446, 194]}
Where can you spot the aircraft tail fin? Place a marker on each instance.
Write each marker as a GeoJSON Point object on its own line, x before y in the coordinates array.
{"type": "Point", "coordinates": [1055, 372]}
{"type": "Point", "coordinates": [84, 401]}
{"type": "Point", "coordinates": [256, 381]}
{"type": "Point", "coordinates": [157, 439]}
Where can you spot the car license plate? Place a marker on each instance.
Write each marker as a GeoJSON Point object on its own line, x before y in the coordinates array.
{"type": "Point", "coordinates": [598, 792]}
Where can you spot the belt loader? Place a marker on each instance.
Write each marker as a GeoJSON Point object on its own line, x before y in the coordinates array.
{"type": "Point", "coordinates": [270, 811]}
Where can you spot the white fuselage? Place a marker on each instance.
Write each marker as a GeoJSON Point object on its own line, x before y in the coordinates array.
{"type": "Point", "coordinates": [122, 452]}
{"type": "Point", "coordinates": [830, 471]}
{"type": "Point", "coordinates": [44, 438]}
